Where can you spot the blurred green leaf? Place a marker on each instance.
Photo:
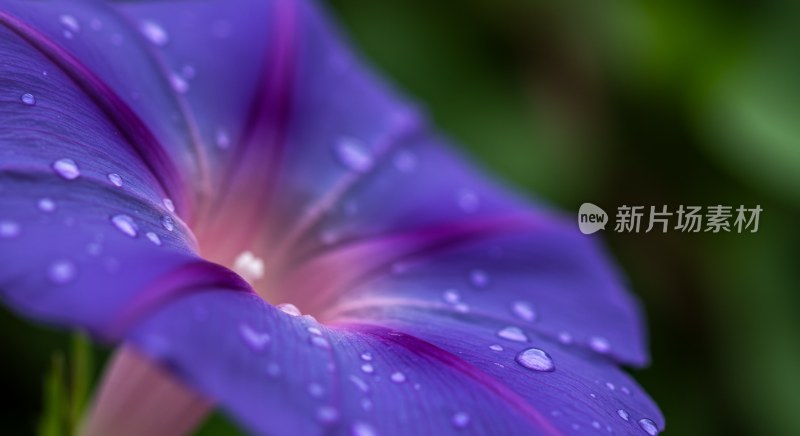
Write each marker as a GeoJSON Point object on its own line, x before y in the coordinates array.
{"type": "Point", "coordinates": [752, 110]}
{"type": "Point", "coordinates": [52, 421]}
{"type": "Point", "coordinates": [67, 389]}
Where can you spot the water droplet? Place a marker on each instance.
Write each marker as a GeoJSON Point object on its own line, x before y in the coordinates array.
{"type": "Point", "coordinates": [451, 296]}
{"type": "Point", "coordinates": [115, 179]}
{"type": "Point", "coordinates": [512, 334]}
{"type": "Point", "coordinates": [524, 311]}
{"type": "Point", "coordinates": [257, 341]}
{"type": "Point", "coordinates": [327, 414]}
{"type": "Point", "coordinates": [625, 390]}
{"type": "Point", "coordinates": [366, 356]}
{"type": "Point", "coordinates": [460, 420]}
{"type": "Point", "coordinates": [366, 404]}
{"type": "Point", "coordinates": [624, 414]}
{"type": "Point", "coordinates": [66, 168]}
{"type": "Point", "coordinates": [222, 139]}
{"type": "Point", "coordinates": [273, 369]}
{"type": "Point", "coordinates": [398, 377]}
{"type": "Point", "coordinates": [168, 223]}
{"type": "Point", "coordinates": [565, 338]}
{"type": "Point", "coordinates": [154, 32]}
{"type": "Point", "coordinates": [249, 266]}
{"type": "Point", "coordinates": [535, 359]}
{"type": "Point", "coordinates": [125, 224]}
{"type": "Point", "coordinates": [153, 238]}
{"type": "Point", "coordinates": [316, 390]}
{"type": "Point", "coordinates": [648, 426]}
{"type": "Point", "coordinates": [28, 99]}
{"type": "Point", "coordinates": [315, 331]}
{"type": "Point", "coordinates": [361, 428]}
{"type": "Point", "coordinates": [496, 347]}
{"type": "Point", "coordinates": [289, 309]}
{"type": "Point", "coordinates": [321, 342]}
{"type": "Point", "coordinates": [405, 161]}
{"type": "Point", "coordinates": [70, 23]}
{"type": "Point", "coordinates": [610, 386]}
{"type": "Point", "coordinates": [354, 155]}
{"type": "Point", "coordinates": [360, 384]}
{"type": "Point", "coordinates": [596, 425]}
{"type": "Point", "coordinates": [468, 201]}
{"type": "Point", "coordinates": [179, 84]}
{"type": "Point", "coordinates": [368, 368]}
{"type": "Point", "coordinates": [9, 229]}
{"type": "Point", "coordinates": [461, 307]}
{"type": "Point", "coordinates": [46, 205]}
{"type": "Point", "coordinates": [61, 272]}
{"type": "Point", "coordinates": [188, 72]}
{"type": "Point", "coordinates": [479, 278]}
{"type": "Point", "coordinates": [168, 204]}
{"type": "Point", "coordinates": [599, 344]}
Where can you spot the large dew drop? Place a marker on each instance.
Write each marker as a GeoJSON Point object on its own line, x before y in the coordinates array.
{"type": "Point", "coordinates": [249, 266]}
{"type": "Point", "coordinates": [353, 155]}
{"type": "Point", "coordinates": [115, 179]}
{"type": "Point", "coordinates": [66, 168]}
{"type": "Point", "coordinates": [70, 23]}
{"type": "Point", "coordinates": [648, 426]}
{"type": "Point", "coordinates": [524, 310]}
{"type": "Point", "coordinates": [28, 99]}
{"type": "Point", "coordinates": [361, 428]}
{"type": "Point", "coordinates": [599, 344]}
{"type": "Point", "coordinates": [289, 309]}
{"type": "Point", "coordinates": [125, 224]}
{"type": "Point", "coordinates": [154, 33]}
{"type": "Point", "coordinates": [152, 237]}
{"type": "Point", "coordinates": [61, 272]}
{"type": "Point", "coordinates": [46, 204]}
{"type": "Point", "coordinates": [536, 359]}
{"type": "Point", "coordinates": [9, 229]}
{"type": "Point", "coordinates": [168, 223]}
{"type": "Point", "coordinates": [256, 340]}
{"type": "Point", "coordinates": [512, 334]}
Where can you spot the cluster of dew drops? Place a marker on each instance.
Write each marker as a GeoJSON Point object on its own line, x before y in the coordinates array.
{"type": "Point", "coordinates": [63, 271]}
{"type": "Point", "coordinates": [354, 156]}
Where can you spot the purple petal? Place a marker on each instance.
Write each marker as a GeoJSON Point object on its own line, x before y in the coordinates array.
{"type": "Point", "coordinates": [315, 379]}
{"type": "Point", "coordinates": [86, 236]}
{"type": "Point", "coordinates": [360, 166]}
{"type": "Point", "coordinates": [547, 278]}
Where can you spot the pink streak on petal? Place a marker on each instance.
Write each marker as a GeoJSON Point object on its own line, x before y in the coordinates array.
{"type": "Point", "coordinates": [315, 284]}
{"type": "Point", "coordinates": [141, 139]}
{"type": "Point", "coordinates": [452, 361]}
{"type": "Point", "coordinates": [259, 159]}
{"type": "Point", "coordinates": [192, 277]}
{"type": "Point", "coordinates": [138, 397]}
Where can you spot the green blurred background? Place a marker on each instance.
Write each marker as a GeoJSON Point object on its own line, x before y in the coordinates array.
{"type": "Point", "coordinates": [624, 102]}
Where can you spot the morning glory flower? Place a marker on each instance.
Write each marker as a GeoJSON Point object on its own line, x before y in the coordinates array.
{"type": "Point", "coordinates": [261, 225]}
